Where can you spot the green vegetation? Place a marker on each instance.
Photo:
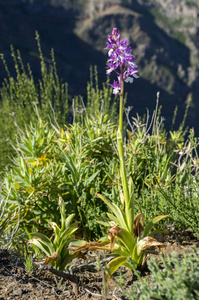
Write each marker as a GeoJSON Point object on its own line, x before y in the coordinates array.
{"type": "Point", "coordinates": [54, 147]}
{"type": "Point", "coordinates": [177, 278]}
{"type": "Point", "coordinates": [23, 100]}
{"type": "Point", "coordinates": [57, 251]}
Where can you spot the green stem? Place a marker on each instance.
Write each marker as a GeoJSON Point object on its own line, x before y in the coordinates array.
{"type": "Point", "coordinates": [121, 110]}
{"type": "Point", "coordinates": [129, 209]}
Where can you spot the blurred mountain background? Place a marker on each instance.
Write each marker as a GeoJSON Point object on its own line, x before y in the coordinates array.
{"type": "Point", "coordinates": [164, 36]}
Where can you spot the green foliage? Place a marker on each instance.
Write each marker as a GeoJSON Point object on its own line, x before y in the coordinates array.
{"type": "Point", "coordinates": [57, 251]}
{"type": "Point", "coordinates": [132, 237]}
{"type": "Point", "coordinates": [80, 160]}
{"type": "Point", "coordinates": [73, 163]}
{"type": "Point", "coordinates": [52, 158]}
{"type": "Point", "coordinates": [175, 278]}
{"type": "Point", "coordinates": [164, 170]}
{"type": "Point", "coordinates": [151, 154]}
{"type": "Point", "coordinates": [89, 162]}
{"type": "Point", "coordinates": [23, 99]}
{"type": "Point", "coordinates": [26, 182]}
{"type": "Point", "coordinates": [7, 217]}
{"type": "Point", "coordinates": [100, 99]}
{"type": "Point", "coordinates": [131, 247]}
{"type": "Point", "coordinates": [28, 262]}
{"type": "Point", "coordinates": [154, 173]}
{"type": "Point", "coordinates": [176, 195]}
{"type": "Point", "coordinates": [20, 96]}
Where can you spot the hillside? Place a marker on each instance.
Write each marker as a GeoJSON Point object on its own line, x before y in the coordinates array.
{"type": "Point", "coordinates": [164, 36]}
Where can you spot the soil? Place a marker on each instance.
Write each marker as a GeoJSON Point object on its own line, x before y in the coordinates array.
{"type": "Point", "coordinates": [17, 283]}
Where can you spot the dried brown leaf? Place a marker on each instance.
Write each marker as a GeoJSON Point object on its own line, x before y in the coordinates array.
{"type": "Point", "coordinates": [148, 242]}
{"type": "Point", "coordinates": [111, 235]}
{"type": "Point", "coordinates": [91, 245]}
{"type": "Point", "coordinates": [53, 257]}
{"type": "Point", "coordinates": [138, 225]}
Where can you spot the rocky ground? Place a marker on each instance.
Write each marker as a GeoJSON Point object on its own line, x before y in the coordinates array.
{"type": "Point", "coordinates": [16, 282]}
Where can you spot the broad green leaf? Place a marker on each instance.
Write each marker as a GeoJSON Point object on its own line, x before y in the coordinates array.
{"type": "Point", "coordinates": [149, 226]}
{"type": "Point", "coordinates": [106, 224]}
{"type": "Point", "coordinates": [62, 212]}
{"type": "Point", "coordinates": [145, 243]}
{"type": "Point", "coordinates": [120, 250]}
{"type": "Point", "coordinates": [64, 238]}
{"type": "Point", "coordinates": [115, 263]}
{"type": "Point", "coordinates": [44, 239]}
{"type": "Point", "coordinates": [127, 240]}
{"type": "Point", "coordinates": [120, 216]}
{"type": "Point", "coordinates": [57, 231]}
{"type": "Point", "coordinates": [43, 247]}
{"type": "Point", "coordinates": [67, 260]}
{"type": "Point", "coordinates": [55, 227]}
{"type": "Point", "coordinates": [69, 220]}
{"type": "Point", "coordinates": [114, 219]}
{"type": "Point", "coordinates": [69, 230]}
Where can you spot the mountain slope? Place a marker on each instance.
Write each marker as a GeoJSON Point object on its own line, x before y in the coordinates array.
{"type": "Point", "coordinates": [164, 36]}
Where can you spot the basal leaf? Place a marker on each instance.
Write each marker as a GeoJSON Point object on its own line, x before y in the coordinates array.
{"type": "Point", "coordinates": [127, 239]}
{"type": "Point", "coordinates": [149, 226]}
{"type": "Point", "coordinates": [43, 247]}
{"type": "Point", "coordinates": [145, 243]}
{"type": "Point", "coordinates": [45, 240]}
{"type": "Point", "coordinates": [114, 264]}
{"type": "Point", "coordinates": [120, 216]}
{"type": "Point", "coordinates": [69, 220]}
{"type": "Point", "coordinates": [67, 260]}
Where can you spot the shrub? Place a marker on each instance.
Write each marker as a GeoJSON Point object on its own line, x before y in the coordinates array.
{"type": "Point", "coordinates": [20, 95]}
{"type": "Point", "coordinates": [73, 163]}
{"type": "Point", "coordinates": [175, 278]}
{"type": "Point", "coordinates": [22, 100]}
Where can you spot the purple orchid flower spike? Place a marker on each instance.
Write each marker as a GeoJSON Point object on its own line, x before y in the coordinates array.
{"type": "Point", "coordinates": [120, 61]}
{"type": "Point", "coordinates": [116, 87]}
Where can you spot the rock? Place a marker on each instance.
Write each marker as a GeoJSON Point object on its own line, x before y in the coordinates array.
{"type": "Point", "coordinates": [17, 292]}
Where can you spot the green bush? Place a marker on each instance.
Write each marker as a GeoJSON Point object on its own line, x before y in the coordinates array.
{"type": "Point", "coordinates": [180, 197]}
{"type": "Point", "coordinates": [7, 232]}
{"type": "Point", "coordinates": [22, 100]}
{"type": "Point", "coordinates": [79, 160]}
{"type": "Point", "coordinates": [164, 169]}
{"type": "Point", "coordinates": [174, 278]}
{"type": "Point", "coordinates": [75, 163]}
{"type": "Point", "coordinates": [43, 157]}
{"type": "Point", "coordinates": [19, 97]}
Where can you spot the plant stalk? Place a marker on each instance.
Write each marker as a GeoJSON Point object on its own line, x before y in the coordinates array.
{"type": "Point", "coordinates": [129, 209]}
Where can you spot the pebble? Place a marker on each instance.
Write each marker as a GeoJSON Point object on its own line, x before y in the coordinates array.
{"type": "Point", "coordinates": [17, 292]}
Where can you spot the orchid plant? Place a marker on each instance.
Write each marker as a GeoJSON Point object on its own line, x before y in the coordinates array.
{"type": "Point", "coordinates": [128, 239]}
{"type": "Point", "coordinates": [121, 62]}
{"type": "Point", "coordinates": [57, 248]}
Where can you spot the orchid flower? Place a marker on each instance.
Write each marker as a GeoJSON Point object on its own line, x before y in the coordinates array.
{"type": "Point", "coordinates": [120, 61]}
